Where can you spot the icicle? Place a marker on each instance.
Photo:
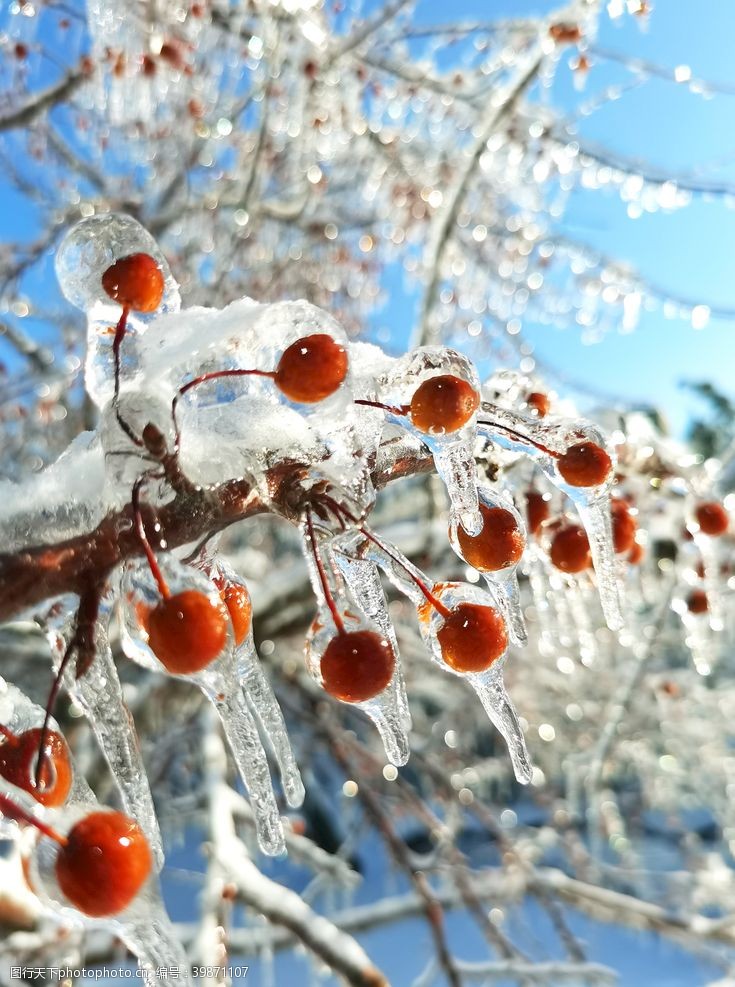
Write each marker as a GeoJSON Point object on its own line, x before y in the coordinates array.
{"type": "Point", "coordinates": [503, 574]}
{"type": "Point", "coordinates": [143, 925]}
{"type": "Point", "coordinates": [547, 440]}
{"type": "Point", "coordinates": [218, 681]}
{"type": "Point", "coordinates": [99, 694]}
{"type": "Point", "coordinates": [335, 618]}
{"type": "Point", "coordinates": [709, 548]}
{"type": "Point", "coordinates": [255, 684]}
{"type": "Point", "coordinates": [363, 580]}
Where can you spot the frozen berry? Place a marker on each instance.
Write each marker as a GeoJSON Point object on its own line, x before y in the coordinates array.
{"type": "Point", "coordinates": [624, 525]}
{"type": "Point", "coordinates": [500, 543]}
{"type": "Point", "coordinates": [697, 601]}
{"type": "Point", "coordinates": [635, 556]}
{"type": "Point", "coordinates": [712, 518]}
{"type": "Point", "coordinates": [186, 632]}
{"type": "Point", "coordinates": [584, 465]}
{"type": "Point", "coordinates": [357, 665]}
{"type": "Point", "coordinates": [103, 864]}
{"type": "Point", "coordinates": [19, 758]}
{"type": "Point", "coordinates": [135, 281]}
{"type": "Point", "coordinates": [237, 600]}
{"type": "Point", "coordinates": [570, 549]}
{"type": "Point", "coordinates": [311, 369]}
{"type": "Point", "coordinates": [539, 402]}
{"type": "Point", "coordinates": [537, 510]}
{"type": "Point", "coordinates": [472, 637]}
{"type": "Point", "coordinates": [443, 404]}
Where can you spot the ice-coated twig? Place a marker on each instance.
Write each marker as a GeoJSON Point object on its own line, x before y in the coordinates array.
{"type": "Point", "coordinates": [99, 694]}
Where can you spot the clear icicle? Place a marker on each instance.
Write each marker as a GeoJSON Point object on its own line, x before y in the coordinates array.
{"type": "Point", "coordinates": [363, 580]}
{"type": "Point", "coordinates": [144, 925]}
{"type": "Point", "coordinates": [218, 681]}
{"type": "Point", "coordinates": [99, 694]}
{"type": "Point", "coordinates": [387, 710]}
{"type": "Point", "coordinates": [501, 713]}
{"type": "Point", "coordinates": [504, 580]}
{"type": "Point", "coordinates": [545, 440]}
{"type": "Point", "coordinates": [242, 736]}
{"type": "Point", "coordinates": [259, 693]}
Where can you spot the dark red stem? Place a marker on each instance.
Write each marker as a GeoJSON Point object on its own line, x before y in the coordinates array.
{"type": "Point", "coordinates": [8, 734]}
{"type": "Point", "coordinates": [143, 537]}
{"type": "Point", "coordinates": [336, 615]}
{"type": "Point", "coordinates": [433, 600]}
{"type": "Point", "coordinates": [383, 407]}
{"type": "Point", "coordinates": [214, 375]}
{"type": "Point", "coordinates": [524, 438]}
{"type": "Point", "coordinates": [120, 330]}
{"type": "Point", "coordinates": [11, 810]}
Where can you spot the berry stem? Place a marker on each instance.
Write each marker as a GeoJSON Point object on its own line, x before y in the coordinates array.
{"type": "Point", "coordinates": [120, 331]}
{"type": "Point", "coordinates": [8, 734]}
{"type": "Point", "coordinates": [143, 537]}
{"type": "Point", "coordinates": [11, 810]}
{"type": "Point", "coordinates": [89, 602]}
{"type": "Point", "coordinates": [524, 438]}
{"type": "Point", "coordinates": [336, 615]}
{"type": "Point", "coordinates": [383, 407]}
{"type": "Point", "coordinates": [433, 600]}
{"type": "Point", "coordinates": [214, 375]}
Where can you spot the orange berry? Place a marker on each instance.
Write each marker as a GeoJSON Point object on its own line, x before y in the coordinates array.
{"type": "Point", "coordinates": [499, 544]}
{"type": "Point", "coordinates": [472, 637]}
{"type": "Point", "coordinates": [570, 549]}
{"type": "Point", "coordinates": [186, 632]}
{"type": "Point", "coordinates": [584, 465]}
{"type": "Point", "coordinates": [635, 557]}
{"type": "Point", "coordinates": [18, 760]}
{"type": "Point", "coordinates": [443, 404]}
{"type": "Point", "coordinates": [104, 864]}
{"type": "Point", "coordinates": [565, 34]}
{"type": "Point", "coordinates": [357, 665]}
{"type": "Point", "coordinates": [537, 510]}
{"type": "Point", "coordinates": [712, 518]}
{"type": "Point", "coordinates": [697, 601]}
{"type": "Point", "coordinates": [539, 402]}
{"type": "Point", "coordinates": [135, 281]}
{"type": "Point", "coordinates": [312, 368]}
{"type": "Point", "coordinates": [624, 525]}
{"type": "Point", "coordinates": [237, 600]}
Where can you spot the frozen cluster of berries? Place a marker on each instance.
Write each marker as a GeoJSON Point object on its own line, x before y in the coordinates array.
{"type": "Point", "coordinates": [295, 399]}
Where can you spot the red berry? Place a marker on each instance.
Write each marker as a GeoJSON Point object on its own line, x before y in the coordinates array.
{"type": "Point", "coordinates": [357, 665]}
{"type": "Point", "coordinates": [20, 50]}
{"type": "Point", "coordinates": [443, 404]}
{"type": "Point", "coordinates": [697, 601]}
{"type": "Point", "coordinates": [537, 510]}
{"type": "Point", "coordinates": [584, 465]}
{"type": "Point", "coordinates": [570, 549]}
{"type": "Point", "coordinates": [712, 518]}
{"type": "Point", "coordinates": [312, 368]}
{"type": "Point", "coordinates": [104, 863]}
{"type": "Point", "coordinates": [635, 556]}
{"type": "Point", "coordinates": [565, 33]}
{"type": "Point", "coordinates": [135, 281]}
{"type": "Point", "coordinates": [472, 637]}
{"type": "Point", "coordinates": [18, 760]}
{"type": "Point", "coordinates": [624, 525]}
{"type": "Point", "coordinates": [186, 632]}
{"type": "Point", "coordinates": [499, 544]}
{"type": "Point", "coordinates": [539, 402]}
{"type": "Point", "coordinates": [237, 600]}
